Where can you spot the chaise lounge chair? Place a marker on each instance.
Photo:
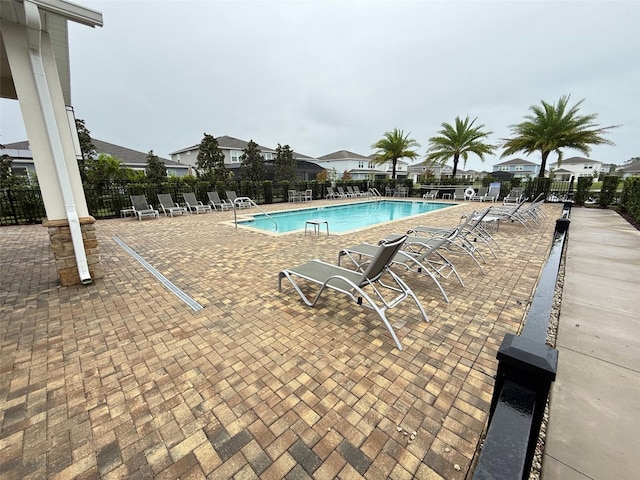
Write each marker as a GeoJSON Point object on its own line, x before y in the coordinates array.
{"type": "Point", "coordinates": [331, 193]}
{"type": "Point", "coordinates": [168, 206]}
{"type": "Point", "coordinates": [480, 195]}
{"type": "Point", "coordinates": [431, 195]}
{"type": "Point", "coordinates": [141, 207]}
{"type": "Point", "coordinates": [215, 202]}
{"type": "Point", "coordinates": [460, 193]}
{"type": "Point", "coordinates": [194, 205]}
{"type": "Point", "coordinates": [515, 196]}
{"type": "Point", "coordinates": [354, 283]}
{"type": "Point", "coordinates": [429, 261]}
{"type": "Point", "coordinates": [238, 202]}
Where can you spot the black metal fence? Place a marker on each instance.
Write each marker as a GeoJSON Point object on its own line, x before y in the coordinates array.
{"type": "Point", "coordinates": [526, 368]}
{"type": "Point", "coordinates": [25, 205]}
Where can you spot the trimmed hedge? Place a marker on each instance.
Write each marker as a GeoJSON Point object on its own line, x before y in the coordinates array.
{"type": "Point", "coordinates": [608, 191]}
{"type": "Point", "coordinates": [630, 199]}
{"type": "Point", "coordinates": [582, 190]}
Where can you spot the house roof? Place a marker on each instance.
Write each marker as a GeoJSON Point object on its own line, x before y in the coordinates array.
{"type": "Point", "coordinates": [631, 167]}
{"type": "Point", "coordinates": [126, 155]}
{"type": "Point", "coordinates": [226, 142]}
{"type": "Point", "coordinates": [575, 160]}
{"type": "Point", "coordinates": [516, 161]}
{"type": "Point", "coordinates": [343, 155]}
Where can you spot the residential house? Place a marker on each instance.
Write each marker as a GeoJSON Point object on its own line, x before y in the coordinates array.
{"type": "Point", "coordinates": [359, 166]}
{"type": "Point", "coordinates": [22, 159]}
{"type": "Point", "coordinates": [575, 167]}
{"type": "Point", "coordinates": [518, 168]}
{"type": "Point", "coordinates": [439, 171]}
{"type": "Point", "coordinates": [233, 149]}
{"type": "Point", "coordinates": [631, 168]}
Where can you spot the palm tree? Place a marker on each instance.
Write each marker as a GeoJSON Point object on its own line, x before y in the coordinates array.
{"type": "Point", "coordinates": [552, 127]}
{"type": "Point", "coordinates": [457, 142]}
{"type": "Point", "coordinates": [393, 146]}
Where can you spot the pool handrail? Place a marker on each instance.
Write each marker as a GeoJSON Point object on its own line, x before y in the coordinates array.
{"type": "Point", "coordinates": [240, 200]}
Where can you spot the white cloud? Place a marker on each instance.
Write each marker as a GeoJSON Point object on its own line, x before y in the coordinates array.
{"type": "Point", "coordinates": [325, 76]}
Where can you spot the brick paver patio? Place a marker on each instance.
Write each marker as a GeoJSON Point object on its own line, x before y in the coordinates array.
{"type": "Point", "coordinates": [121, 379]}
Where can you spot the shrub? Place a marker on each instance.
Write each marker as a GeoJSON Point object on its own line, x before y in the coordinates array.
{"type": "Point", "coordinates": [608, 190]}
{"type": "Point", "coordinates": [267, 190]}
{"type": "Point", "coordinates": [582, 190]}
{"type": "Point", "coordinates": [630, 199]}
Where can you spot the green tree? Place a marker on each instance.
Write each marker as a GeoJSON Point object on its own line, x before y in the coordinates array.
{"type": "Point", "coordinates": [458, 141]}
{"type": "Point", "coordinates": [252, 167]}
{"type": "Point", "coordinates": [552, 127]}
{"type": "Point", "coordinates": [104, 171]}
{"type": "Point", "coordinates": [394, 146]}
{"type": "Point", "coordinates": [87, 148]}
{"type": "Point", "coordinates": [5, 169]}
{"type": "Point", "coordinates": [285, 164]}
{"type": "Point", "coordinates": [210, 162]}
{"type": "Point", "coordinates": [8, 179]}
{"type": "Point", "coordinates": [155, 170]}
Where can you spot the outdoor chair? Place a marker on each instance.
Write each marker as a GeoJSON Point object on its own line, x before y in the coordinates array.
{"type": "Point", "coordinates": [515, 196]}
{"type": "Point", "coordinates": [430, 261]}
{"type": "Point", "coordinates": [472, 229]}
{"type": "Point", "coordinates": [294, 196]}
{"type": "Point", "coordinates": [480, 194]}
{"type": "Point", "coordinates": [194, 205]}
{"type": "Point", "coordinates": [352, 192]}
{"type": "Point", "coordinates": [168, 206]}
{"type": "Point", "coordinates": [460, 194]}
{"type": "Point", "coordinates": [216, 202]}
{"type": "Point", "coordinates": [463, 243]}
{"type": "Point", "coordinates": [493, 194]}
{"type": "Point", "coordinates": [239, 202]}
{"type": "Point", "coordinates": [307, 196]}
{"type": "Point", "coordinates": [359, 193]}
{"type": "Point", "coordinates": [342, 193]}
{"type": "Point", "coordinates": [331, 193]}
{"type": "Point", "coordinates": [431, 195]}
{"type": "Point", "coordinates": [363, 287]}
{"type": "Point", "coordinates": [525, 215]}
{"type": "Point", "coordinates": [141, 207]}
{"type": "Point", "coordinates": [402, 192]}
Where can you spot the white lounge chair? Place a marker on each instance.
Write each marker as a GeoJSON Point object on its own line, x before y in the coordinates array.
{"type": "Point", "coordinates": [194, 205]}
{"type": "Point", "coordinates": [360, 286]}
{"type": "Point", "coordinates": [216, 202]}
{"type": "Point", "coordinates": [141, 207]}
{"type": "Point", "coordinates": [168, 206]}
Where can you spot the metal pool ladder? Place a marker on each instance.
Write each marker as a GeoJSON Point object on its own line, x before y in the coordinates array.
{"type": "Point", "coordinates": [247, 199]}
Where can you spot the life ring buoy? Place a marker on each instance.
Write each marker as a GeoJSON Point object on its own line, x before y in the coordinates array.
{"type": "Point", "coordinates": [469, 192]}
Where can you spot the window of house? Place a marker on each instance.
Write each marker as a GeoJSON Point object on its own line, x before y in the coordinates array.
{"type": "Point", "coordinates": [504, 168]}
{"type": "Point", "coordinates": [235, 156]}
{"type": "Point", "coordinates": [361, 164]}
{"type": "Point", "coordinates": [371, 164]}
{"type": "Point", "coordinates": [519, 168]}
{"type": "Point", "coordinates": [267, 156]}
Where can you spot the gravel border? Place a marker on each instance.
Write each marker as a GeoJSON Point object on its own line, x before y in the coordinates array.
{"type": "Point", "coordinates": [552, 330]}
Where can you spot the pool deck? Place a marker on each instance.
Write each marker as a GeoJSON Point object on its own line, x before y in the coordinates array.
{"type": "Point", "coordinates": [121, 379]}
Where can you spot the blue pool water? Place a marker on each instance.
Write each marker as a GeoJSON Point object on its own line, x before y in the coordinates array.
{"type": "Point", "coordinates": [342, 218]}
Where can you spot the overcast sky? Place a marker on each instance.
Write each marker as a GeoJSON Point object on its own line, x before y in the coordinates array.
{"type": "Point", "coordinates": [323, 76]}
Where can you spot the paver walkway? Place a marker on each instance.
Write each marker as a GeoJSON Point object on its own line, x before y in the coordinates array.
{"type": "Point", "coordinates": [594, 415]}
{"type": "Point", "coordinates": [121, 379]}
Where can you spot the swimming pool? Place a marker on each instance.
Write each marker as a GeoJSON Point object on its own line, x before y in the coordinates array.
{"type": "Point", "coordinates": [342, 218]}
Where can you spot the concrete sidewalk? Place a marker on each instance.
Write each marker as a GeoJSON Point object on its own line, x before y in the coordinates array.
{"type": "Point", "coordinates": [594, 416]}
